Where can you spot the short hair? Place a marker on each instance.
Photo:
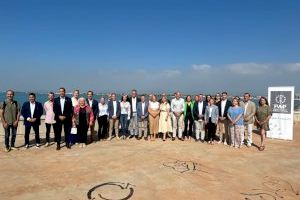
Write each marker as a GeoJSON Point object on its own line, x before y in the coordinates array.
{"type": "Point", "coordinates": [51, 93]}
{"type": "Point", "coordinates": [133, 90]}
{"type": "Point", "coordinates": [62, 88]}
{"type": "Point", "coordinates": [224, 93]}
{"type": "Point", "coordinates": [113, 94]}
{"type": "Point", "coordinates": [76, 91]}
{"type": "Point", "coordinates": [247, 93]}
{"type": "Point", "coordinates": [10, 90]}
{"type": "Point", "coordinates": [90, 91]}
{"type": "Point", "coordinates": [31, 94]}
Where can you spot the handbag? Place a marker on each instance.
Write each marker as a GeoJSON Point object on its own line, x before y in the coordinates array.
{"type": "Point", "coordinates": [74, 131]}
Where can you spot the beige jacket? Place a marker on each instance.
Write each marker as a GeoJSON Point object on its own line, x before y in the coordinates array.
{"type": "Point", "coordinates": [250, 112]}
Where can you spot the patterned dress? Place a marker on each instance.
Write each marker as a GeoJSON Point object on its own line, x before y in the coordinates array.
{"type": "Point", "coordinates": [165, 126]}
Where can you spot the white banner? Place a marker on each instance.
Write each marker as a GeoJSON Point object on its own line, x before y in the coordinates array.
{"type": "Point", "coordinates": [281, 100]}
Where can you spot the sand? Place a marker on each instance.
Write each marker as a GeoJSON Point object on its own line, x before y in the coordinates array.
{"type": "Point", "coordinates": [134, 169]}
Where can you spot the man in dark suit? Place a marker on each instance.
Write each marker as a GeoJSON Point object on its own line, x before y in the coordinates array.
{"type": "Point", "coordinates": [32, 112]}
{"type": "Point", "coordinates": [114, 112]}
{"type": "Point", "coordinates": [199, 111]}
{"type": "Point", "coordinates": [223, 106]}
{"type": "Point", "coordinates": [133, 123]}
{"type": "Point", "coordinates": [63, 110]}
{"type": "Point", "coordinates": [94, 105]}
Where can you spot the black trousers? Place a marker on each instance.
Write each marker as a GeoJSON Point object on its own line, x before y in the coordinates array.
{"type": "Point", "coordinates": [211, 130]}
{"type": "Point", "coordinates": [190, 125]}
{"type": "Point", "coordinates": [48, 130]}
{"type": "Point", "coordinates": [102, 127]}
{"type": "Point", "coordinates": [36, 129]}
{"type": "Point", "coordinates": [58, 130]}
{"type": "Point", "coordinates": [82, 130]}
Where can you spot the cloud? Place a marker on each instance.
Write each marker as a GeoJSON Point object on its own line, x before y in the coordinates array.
{"type": "Point", "coordinates": [201, 67]}
{"type": "Point", "coordinates": [248, 68]}
{"type": "Point", "coordinates": [293, 67]}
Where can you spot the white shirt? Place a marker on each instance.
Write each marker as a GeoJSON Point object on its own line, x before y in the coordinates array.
{"type": "Point", "coordinates": [134, 104]}
{"type": "Point", "coordinates": [103, 109]}
{"type": "Point", "coordinates": [74, 101]}
{"type": "Point", "coordinates": [200, 107]}
{"type": "Point", "coordinates": [210, 111]}
{"type": "Point", "coordinates": [115, 108]}
{"type": "Point", "coordinates": [62, 104]}
{"type": "Point", "coordinates": [154, 105]}
{"type": "Point", "coordinates": [32, 107]}
{"type": "Point", "coordinates": [177, 105]}
{"type": "Point", "coordinates": [125, 108]}
{"type": "Point", "coordinates": [246, 106]}
{"type": "Point", "coordinates": [90, 102]}
{"type": "Point", "coordinates": [223, 104]}
{"type": "Point", "coordinates": [143, 108]}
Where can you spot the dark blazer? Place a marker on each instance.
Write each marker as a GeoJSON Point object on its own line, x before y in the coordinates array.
{"type": "Point", "coordinates": [140, 112]}
{"type": "Point", "coordinates": [26, 112]}
{"type": "Point", "coordinates": [196, 110]}
{"type": "Point", "coordinates": [130, 101]}
{"type": "Point", "coordinates": [95, 107]}
{"type": "Point", "coordinates": [111, 109]}
{"type": "Point", "coordinates": [227, 106]}
{"type": "Point", "coordinates": [68, 109]}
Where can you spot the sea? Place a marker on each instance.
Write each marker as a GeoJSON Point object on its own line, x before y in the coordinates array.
{"type": "Point", "coordinates": [22, 97]}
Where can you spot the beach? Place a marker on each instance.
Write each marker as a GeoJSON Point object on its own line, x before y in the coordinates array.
{"type": "Point", "coordinates": [134, 169]}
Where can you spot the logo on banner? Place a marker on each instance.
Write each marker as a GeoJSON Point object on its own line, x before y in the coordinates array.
{"type": "Point", "coordinates": [281, 102]}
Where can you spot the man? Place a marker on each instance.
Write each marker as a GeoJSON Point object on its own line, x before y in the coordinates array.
{"type": "Point", "coordinates": [63, 111]}
{"type": "Point", "coordinates": [114, 112]}
{"type": "Point", "coordinates": [133, 126]}
{"type": "Point", "coordinates": [177, 108]}
{"type": "Point", "coordinates": [249, 112]}
{"type": "Point", "coordinates": [10, 115]}
{"type": "Point", "coordinates": [32, 112]}
{"type": "Point", "coordinates": [199, 111]}
{"type": "Point", "coordinates": [49, 116]}
{"type": "Point", "coordinates": [142, 115]}
{"type": "Point", "coordinates": [223, 106]}
{"type": "Point", "coordinates": [94, 105]}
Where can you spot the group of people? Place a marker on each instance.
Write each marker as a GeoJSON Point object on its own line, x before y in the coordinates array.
{"type": "Point", "coordinates": [202, 118]}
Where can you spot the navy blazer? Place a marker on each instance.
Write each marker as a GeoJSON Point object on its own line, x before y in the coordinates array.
{"type": "Point", "coordinates": [110, 109]}
{"type": "Point", "coordinates": [196, 110]}
{"type": "Point", "coordinates": [68, 109]}
{"type": "Point", "coordinates": [140, 111]}
{"type": "Point", "coordinates": [26, 112]}
{"type": "Point", "coordinates": [130, 101]}
{"type": "Point", "coordinates": [95, 107]}
{"type": "Point", "coordinates": [227, 106]}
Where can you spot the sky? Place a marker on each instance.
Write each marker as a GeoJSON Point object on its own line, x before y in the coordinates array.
{"type": "Point", "coordinates": [153, 45]}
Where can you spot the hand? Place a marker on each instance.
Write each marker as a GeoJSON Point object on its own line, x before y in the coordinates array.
{"type": "Point", "coordinates": [33, 119]}
{"type": "Point", "coordinates": [62, 118]}
{"type": "Point", "coordinates": [91, 124]}
{"type": "Point", "coordinates": [5, 125]}
{"type": "Point", "coordinates": [16, 123]}
{"type": "Point", "coordinates": [128, 118]}
{"type": "Point", "coordinates": [114, 117]}
{"type": "Point", "coordinates": [166, 119]}
{"type": "Point", "coordinates": [143, 117]}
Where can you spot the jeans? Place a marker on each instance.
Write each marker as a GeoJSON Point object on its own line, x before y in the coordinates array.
{"type": "Point", "coordinates": [13, 130]}
{"type": "Point", "coordinates": [124, 124]}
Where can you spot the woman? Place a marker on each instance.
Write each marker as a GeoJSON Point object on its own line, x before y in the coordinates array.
{"type": "Point", "coordinates": [262, 117]}
{"type": "Point", "coordinates": [165, 125]}
{"type": "Point", "coordinates": [83, 118]}
{"type": "Point", "coordinates": [217, 98]}
{"type": "Point", "coordinates": [125, 116]}
{"type": "Point", "coordinates": [211, 119]}
{"type": "Point", "coordinates": [235, 115]}
{"type": "Point", "coordinates": [188, 117]}
{"type": "Point", "coordinates": [102, 119]}
{"type": "Point", "coordinates": [207, 98]}
{"type": "Point", "coordinates": [74, 99]}
{"type": "Point", "coordinates": [154, 111]}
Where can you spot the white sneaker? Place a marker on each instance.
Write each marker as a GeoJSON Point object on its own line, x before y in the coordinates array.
{"type": "Point", "coordinates": [26, 146]}
{"type": "Point", "coordinates": [14, 148]}
{"type": "Point", "coordinates": [248, 145]}
{"type": "Point", "coordinates": [225, 143]}
{"type": "Point", "coordinates": [47, 144]}
{"type": "Point", "coordinates": [37, 146]}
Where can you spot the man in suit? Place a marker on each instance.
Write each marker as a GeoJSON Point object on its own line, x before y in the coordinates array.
{"type": "Point", "coordinates": [249, 112]}
{"type": "Point", "coordinates": [114, 112]}
{"type": "Point", "coordinates": [199, 111]}
{"type": "Point", "coordinates": [223, 106]}
{"type": "Point", "coordinates": [94, 105]}
{"type": "Point", "coordinates": [142, 115]}
{"type": "Point", "coordinates": [63, 110]}
{"type": "Point", "coordinates": [133, 123]}
{"type": "Point", "coordinates": [32, 112]}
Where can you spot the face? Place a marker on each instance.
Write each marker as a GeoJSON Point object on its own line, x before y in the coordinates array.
{"type": "Point", "coordinates": [246, 97]}
{"type": "Point", "coordinates": [197, 98]}
{"type": "Point", "coordinates": [143, 98]}
{"type": "Point", "coordinates": [208, 98]}
{"type": "Point", "coordinates": [154, 98]}
{"type": "Point", "coordinates": [177, 95]}
{"type": "Point", "coordinates": [133, 94]}
{"type": "Point", "coordinates": [212, 101]}
{"type": "Point", "coordinates": [31, 98]}
{"type": "Point", "coordinates": [235, 102]}
{"type": "Point", "coordinates": [62, 92]}
{"type": "Point", "coordinates": [90, 95]}
{"type": "Point", "coordinates": [262, 101]}
{"type": "Point", "coordinates": [164, 99]}
{"type": "Point", "coordinates": [218, 96]}
{"type": "Point", "coordinates": [200, 98]}
{"type": "Point", "coordinates": [76, 94]}
{"type": "Point", "coordinates": [102, 100]}
{"type": "Point", "coordinates": [10, 95]}
{"type": "Point", "coordinates": [113, 97]}
{"type": "Point", "coordinates": [188, 98]}
{"type": "Point", "coordinates": [81, 102]}
{"type": "Point", "coordinates": [124, 98]}
{"type": "Point", "coordinates": [50, 97]}
{"type": "Point", "coordinates": [224, 96]}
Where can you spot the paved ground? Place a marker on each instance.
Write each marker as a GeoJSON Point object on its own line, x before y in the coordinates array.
{"type": "Point", "coordinates": [152, 170]}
